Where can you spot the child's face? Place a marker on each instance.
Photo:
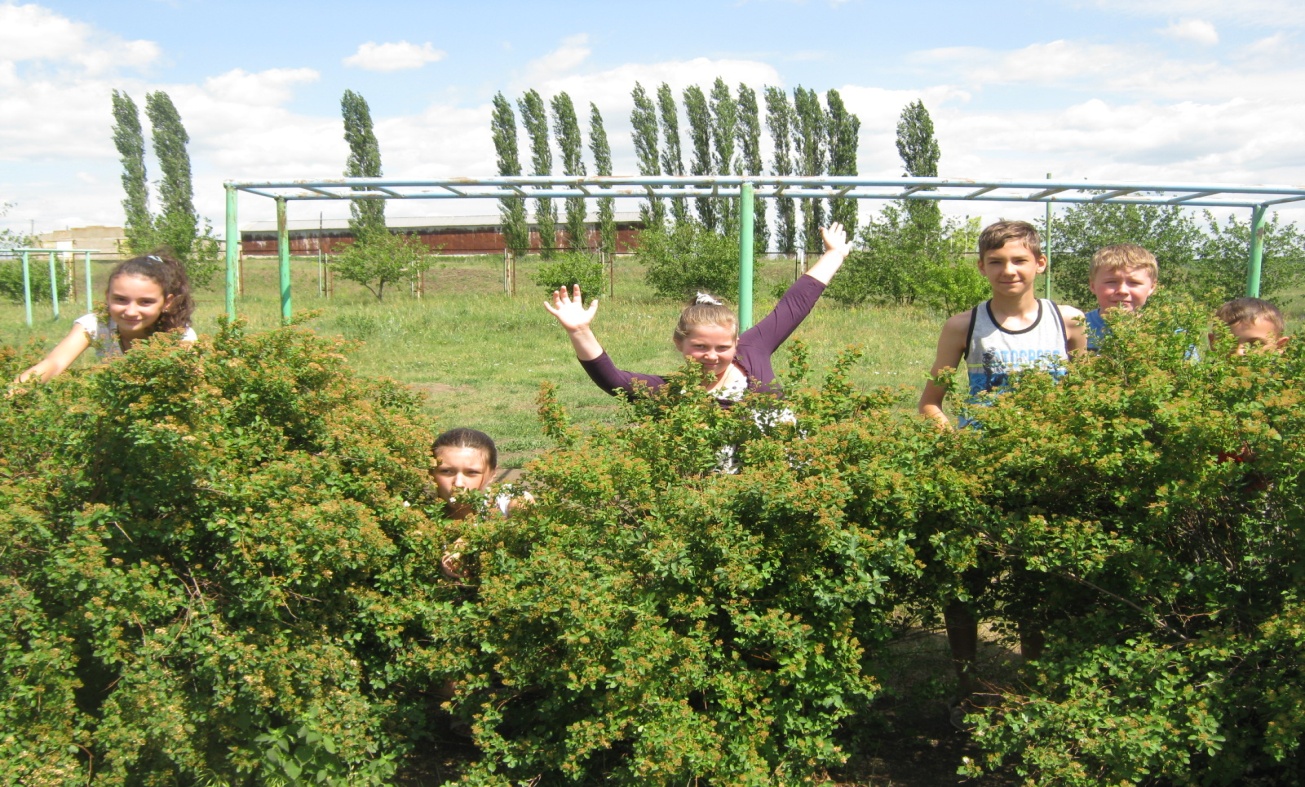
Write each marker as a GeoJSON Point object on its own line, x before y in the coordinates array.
{"type": "Point", "coordinates": [135, 303]}
{"type": "Point", "coordinates": [712, 346]}
{"type": "Point", "coordinates": [459, 467]}
{"type": "Point", "coordinates": [1011, 269]}
{"type": "Point", "coordinates": [1257, 335]}
{"type": "Point", "coordinates": [1123, 289]}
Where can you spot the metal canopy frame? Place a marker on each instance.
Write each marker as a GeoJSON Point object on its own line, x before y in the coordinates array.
{"type": "Point", "coordinates": [1197, 195]}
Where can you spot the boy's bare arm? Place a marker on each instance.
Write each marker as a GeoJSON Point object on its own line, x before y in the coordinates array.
{"type": "Point", "coordinates": [1075, 329]}
{"type": "Point", "coordinates": [951, 349]}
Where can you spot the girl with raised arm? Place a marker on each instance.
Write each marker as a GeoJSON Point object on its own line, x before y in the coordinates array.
{"type": "Point", "coordinates": [708, 332]}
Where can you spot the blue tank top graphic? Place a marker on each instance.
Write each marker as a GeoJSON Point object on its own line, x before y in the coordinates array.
{"type": "Point", "coordinates": [992, 353]}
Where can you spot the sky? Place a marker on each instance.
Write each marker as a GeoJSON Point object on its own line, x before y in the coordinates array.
{"type": "Point", "coordinates": [1122, 90]}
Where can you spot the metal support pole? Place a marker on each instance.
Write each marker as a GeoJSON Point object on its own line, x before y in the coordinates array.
{"type": "Point", "coordinates": [54, 286]}
{"type": "Point", "coordinates": [90, 303]}
{"type": "Point", "coordinates": [233, 251]}
{"type": "Point", "coordinates": [1257, 252]}
{"type": "Point", "coordinates": [283, 252]}
{"type": "Point", "coordinates": [1047, 284]}
{"type": "Point", "coordinates": [745, 256]}
{"type": "Point", "coordinates": [27, 287]}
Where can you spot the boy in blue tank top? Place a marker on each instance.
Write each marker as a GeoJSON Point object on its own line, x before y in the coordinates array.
{"type": "Point", "coordinates": [1010, 331]}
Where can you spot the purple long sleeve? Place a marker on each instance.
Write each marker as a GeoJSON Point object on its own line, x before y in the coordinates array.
{"type": "Point", "coordinates": [756, 345]}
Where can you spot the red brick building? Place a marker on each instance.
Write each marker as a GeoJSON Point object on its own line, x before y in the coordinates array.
{"type": "Point", "coordinates": [460, 235]}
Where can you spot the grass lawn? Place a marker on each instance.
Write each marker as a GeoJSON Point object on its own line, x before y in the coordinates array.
{"type": "Point", "coordinates": [479, 354]}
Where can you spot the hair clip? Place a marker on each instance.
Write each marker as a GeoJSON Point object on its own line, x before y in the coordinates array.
{"type": "Point", "coordinates": [704, 298]}
{"type": "Point", "coordinates": [154, 257]}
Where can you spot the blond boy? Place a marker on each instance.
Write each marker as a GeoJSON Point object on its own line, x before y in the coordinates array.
{"type": "Point", "coordinates": [1122, 276]}
{"type": "Point", "coordinates": [1255, 323]}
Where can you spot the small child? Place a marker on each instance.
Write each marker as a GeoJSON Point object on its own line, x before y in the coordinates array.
{"type": "Point", "coordinates": [1122, 276]}
{"type": "Point", "coordinates": [1012, 330]}
{"type": "Point", "coordinates": [145, 295]}
{"type": "Point", "coordinates": [1255, 323]}
{"type": "Point", "coordinates": [465, 460]}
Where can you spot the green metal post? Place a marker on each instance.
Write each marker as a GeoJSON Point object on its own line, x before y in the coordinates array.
{"type": "Point", "coordinates": [27, 287]}
{"type": "Point", "coordinates": [90, 301]}
{"type": "Point", "coordinates": [745, 256]}
{"type": "Point", "coordinates": [1257, 252]}
{"type": "Point", "coordinates": [283, 252]}
{"type": "Point", "coordinates": [233, 251]}
{"type": "Point", "coordinates": [1047, 283]}
{"type": "Point", "coordinates": [54, 286]}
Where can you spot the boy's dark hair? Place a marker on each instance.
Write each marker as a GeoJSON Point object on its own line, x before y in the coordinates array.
{"type": "Point", "coordinates": [462, 437]}
{"type": "Point", "coordinates": [998, 234]}
{"type": "Point", "coordinates": [165, 270]}
{"type": "Point", "coordinates": [1240, 310]}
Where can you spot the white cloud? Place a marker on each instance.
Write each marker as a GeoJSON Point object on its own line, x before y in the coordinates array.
{"type": "Point", "coordinates": [399, 56]}
{"type": "Point", "coordinates": [573, 51]}
{"type": "Point", "coordinates": [1197, 31]}
{"type": "Point", "coordinates": [35, 35]}
{"type": "Point", "coordinates": [266, 88]}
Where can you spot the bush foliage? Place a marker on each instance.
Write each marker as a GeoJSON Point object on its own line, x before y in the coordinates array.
{"type": "Point", "coordinates": [687, 258]}
{"type": "Point", "coordinates": [38, 272]}
{"type": "Point", "coordinates": [570, 268]}
{"type": "Point", "coordinates": [221, 565]}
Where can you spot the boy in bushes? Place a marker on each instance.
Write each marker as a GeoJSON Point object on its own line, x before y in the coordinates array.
{"type": "Point", "coordinates": [1122, 276]}
{"type": "Point", "coordinates": [1012, 330]}
{"type": "Point", "coordinates": [1255, 323]}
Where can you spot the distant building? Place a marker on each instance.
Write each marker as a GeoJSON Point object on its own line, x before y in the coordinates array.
{"type": "Point", "coordinates": [105, 240]}
{"type": "Point", "coordinates": [445, 234]}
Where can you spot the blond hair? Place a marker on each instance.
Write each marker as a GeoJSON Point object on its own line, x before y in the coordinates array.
{"type": "Point", "coordinates": [704, 309]}
{"type": "Point", "coordinates": [1249, 310]}
{"type": "Point", "coordinates": [1124, 257]}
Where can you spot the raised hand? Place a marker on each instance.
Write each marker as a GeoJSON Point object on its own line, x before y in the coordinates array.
{"type": "Point", "coordinates": [835, 238]}
{"type": "Point", "coordinates": [569, 309]}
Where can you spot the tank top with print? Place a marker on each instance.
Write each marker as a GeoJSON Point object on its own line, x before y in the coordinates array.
{"type": "Point", "coordinates": [992, 353]}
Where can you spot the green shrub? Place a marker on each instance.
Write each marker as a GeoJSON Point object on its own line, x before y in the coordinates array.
{"type": "Point", "coordinates": [688, 258]}
{"type": "Point", "coordinates": [11, 279]}
{"type": "Point", "coordinates": [570, 268]}
{"type": "Point", "coordinates": [217, 567]}
{"type": "Point", "coordinates": [1146, 513]}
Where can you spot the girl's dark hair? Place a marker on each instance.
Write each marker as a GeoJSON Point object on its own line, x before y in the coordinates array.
{"type": "Point", "coordinates": [463, 437]}
{"type": "Point", "coordinates": [165, 270]}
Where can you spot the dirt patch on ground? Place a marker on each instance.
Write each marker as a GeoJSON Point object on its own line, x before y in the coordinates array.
{"type": "Point", "coordinates": [433, 389]}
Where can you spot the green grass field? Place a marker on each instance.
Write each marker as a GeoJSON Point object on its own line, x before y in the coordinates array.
{"type": "Point", "coordinates": [479, 354]}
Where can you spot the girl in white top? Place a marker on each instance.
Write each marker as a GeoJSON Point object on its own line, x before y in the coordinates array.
{"type": "Point", "coordinates": [466, 460]}
{"type": "Point", "coordinates": [145, 295]}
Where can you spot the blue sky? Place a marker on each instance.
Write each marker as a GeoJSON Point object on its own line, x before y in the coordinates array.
{"type": "Point", "coordinates": [1166, 90]}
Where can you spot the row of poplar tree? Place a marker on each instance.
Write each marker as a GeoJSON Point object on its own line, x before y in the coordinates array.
{"type": "Point", "coordinates": [176, 226]}
{"type": "Point", "coordinates": [724, 130]}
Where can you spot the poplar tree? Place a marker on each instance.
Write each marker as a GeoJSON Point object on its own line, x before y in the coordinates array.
{"type": "Point", "coordinates": [534, 115]}
{"type": "Point", "coordinates": [602, 153]}
{"type": "Point", "coordinates": [177, 224]}
{"type": "Point", "coordinates": [779, 119]}
{"type": "Point", "coordinates": [811, 146]}
{"type": "Point", "coordinates": [129, 139]}
{"type": "Point", "coordinates": [367, 216]}
{"type": "Point", "coordinates": [919, 151]}
{"type": "Point", "coordinates": [566, 129]}
{"type": "Point", "coordinates": [695, 107]}
{"type": "Point", "coordinates": [672, 159]}
{"type": "Point", "coordinates": [749, 139]}
{"type": "Point", "coordinates": [844, 128]}
{"type": "Point", "coordinates": [644, 120]}
{"type": "Point", "coordinates": [724, 125]}
{"type": "Point", "coordinates": [516, 232]}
